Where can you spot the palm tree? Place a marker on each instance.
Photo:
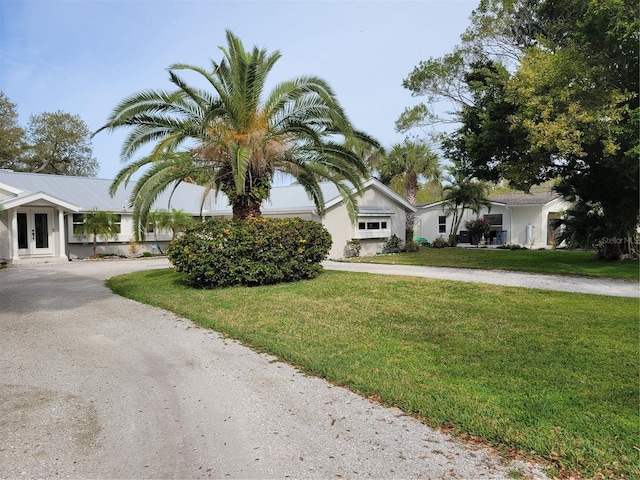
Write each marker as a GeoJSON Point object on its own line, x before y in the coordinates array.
{"type": "Point", "coordinates": [463, 193]}
{"type": "Point", "coordinates": [175, 220]}
{"type": "Point", "coordinates": [403, 168]}
{"type": "Point", "coordinates": [237, 138]}
{"type": "Point", "coordinates": [98, 223]}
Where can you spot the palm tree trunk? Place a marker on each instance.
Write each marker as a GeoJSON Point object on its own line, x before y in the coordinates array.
{"type": "Point", "coordinates": [411, 192]}
{"type": "Point", "coordinates": [455, 224]}
{"type": "Point", "coordinates": [250, 208]}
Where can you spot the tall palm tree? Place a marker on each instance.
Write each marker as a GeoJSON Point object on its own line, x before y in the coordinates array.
{"type": "Point", "coordinates": [404, 166]}
{"type": "Point", "coordinates": [98, 223]}
{"type": "Point", "coordinates": [463, 193]}
{"type": "Point", "coordinates": [237, 137]}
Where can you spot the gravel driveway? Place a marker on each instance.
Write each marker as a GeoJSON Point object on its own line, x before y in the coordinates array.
{"type": "Point", "coordinates": [95, 385]}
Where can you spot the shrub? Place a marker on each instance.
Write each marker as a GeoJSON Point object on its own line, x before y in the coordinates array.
{"type": "Point", "coordinates": [253, 251]}
{"type": "Point", "coordinates": [478, 227]}
{"type": "Point", "coordinates": [411, 247]}
{"type": "Point", "coordinates": [439, 243]}
{"type": "Point", "coordinates": [353, 248]}
{"type": "Point", "coordinates": [393, 245]}
{"type": "Point", "coordinates": [513, 246]}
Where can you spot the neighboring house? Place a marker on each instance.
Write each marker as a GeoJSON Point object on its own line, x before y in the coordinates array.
{"type": "Point", "coordinates": [516, 218]}
{"type": "Point", "coordinates": [39, 214]}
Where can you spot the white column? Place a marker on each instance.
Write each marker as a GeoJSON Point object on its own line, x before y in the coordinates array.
{"type": "Point", "coordinates": [14, 235]}
{"type": "Point", "coordinates": [61, 240]}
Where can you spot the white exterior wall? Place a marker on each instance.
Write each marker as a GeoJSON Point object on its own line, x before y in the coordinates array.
{"type": "Point", "coordinates": [537, 217]}
{"type": "Point", "coordinates": [5, 236]}
{"type": "Point", "coordinates": [515, 220]}
{"type": "Point", "coordinates": [337, 222]}
{"type": "Point", "coordinates": [427, 224]}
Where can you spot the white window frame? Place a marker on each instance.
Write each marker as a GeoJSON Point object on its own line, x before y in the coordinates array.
{"type": "Point", "coordinates": [373, 227]}
{"type": "Point", "coordinates": [442, 224]}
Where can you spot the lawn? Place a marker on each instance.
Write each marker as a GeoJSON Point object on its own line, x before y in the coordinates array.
{"type": "Point", "coordinates": [554, 262]}
{"type": "Point", "coordinates": [548, 374]}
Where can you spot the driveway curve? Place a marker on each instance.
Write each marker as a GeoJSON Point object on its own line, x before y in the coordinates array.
{"type": "Point", "coordinates": [93, 385]}
{"type": "Point", "coordinates": [596, 286]}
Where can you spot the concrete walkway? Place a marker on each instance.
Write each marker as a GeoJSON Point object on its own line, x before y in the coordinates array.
{"type": "Point", "coordinates": [499, 277]}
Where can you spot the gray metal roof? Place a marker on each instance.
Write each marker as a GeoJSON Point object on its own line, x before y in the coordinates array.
{"type": "Point", "coordinates": [89, 193]}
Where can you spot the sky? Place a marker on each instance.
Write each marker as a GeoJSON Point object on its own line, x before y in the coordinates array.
{"type": "Point", "coordinates": [84, 56]}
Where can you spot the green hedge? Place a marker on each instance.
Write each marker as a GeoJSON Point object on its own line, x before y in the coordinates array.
{"type": "Point", "coordinates": [253, 251]}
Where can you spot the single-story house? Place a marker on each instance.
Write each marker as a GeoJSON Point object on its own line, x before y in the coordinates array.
{"type": "Point", "coordinates": [516, 218]}
{"type": "Point", "coordinates": [38, 213]}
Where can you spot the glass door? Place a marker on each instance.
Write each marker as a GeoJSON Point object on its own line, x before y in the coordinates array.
{"type": "Point", "coordinates": [34, 231]}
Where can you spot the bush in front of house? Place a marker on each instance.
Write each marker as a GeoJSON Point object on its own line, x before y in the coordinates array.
{"type": "Point", "coordinates": [478, 228]}
{"type": "Point", "coordinates": [251, 252]}
{"type": "Point", "coordinates": [411, 247]}
{"type": "Point", "coordinates": [392, 245]}
{"type": "Point", "coordinates": [439, 243]}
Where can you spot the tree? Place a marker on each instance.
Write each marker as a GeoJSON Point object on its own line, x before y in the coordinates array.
{"type": "Point", "coordinates": [546, 89]}
{"type": "Point", "coordinates": [12, 140]}
{"type": "Point", "coordinates": [235, 137]}
{"type": "Point", "coordinates": [60, 144]}
{"type": "Point", "coordinates": [175, 220]}
{"type": "Point", "coordinates": [403, 169]}
{"type": "Point", "coordinates": [463, 192]}
{"type": "Point", "coordinates": [98, 223]}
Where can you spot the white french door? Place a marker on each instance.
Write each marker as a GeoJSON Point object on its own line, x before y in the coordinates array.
{"type": "Point", "coordinates": [35, 231]}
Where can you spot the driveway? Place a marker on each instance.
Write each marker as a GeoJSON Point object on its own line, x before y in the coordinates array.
{"type": "Point", "coordinates": [616, 288]}
{"type": "Point", "coordinates": [95, 385]}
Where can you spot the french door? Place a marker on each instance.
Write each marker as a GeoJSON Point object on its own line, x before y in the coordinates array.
{"type": "Point", "coordinates": [35, 231]}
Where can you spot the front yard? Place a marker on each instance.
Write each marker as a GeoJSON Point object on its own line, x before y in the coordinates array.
{"type": "Point", "coordinates": [548, 375]}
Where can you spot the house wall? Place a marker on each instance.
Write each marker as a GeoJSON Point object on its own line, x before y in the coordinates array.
{"type": "Point", "coordinates": [515, 220]}
{"type": "Point", "coordinates": [5, 236]}
{"type": "Point", "coordinates": [427, 224]}
{"type": "Point", "coordinates": [339, 225]}
{"type": "Point", "coordinates": [537, 217]}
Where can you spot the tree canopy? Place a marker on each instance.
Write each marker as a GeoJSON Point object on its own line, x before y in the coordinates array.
{"type": "Point", "coordinates": [405, 168]}
{"type": "Point", "coordinates": [545, 89]}
{"type": "Point", "coordinates": [237, 136]}
{"type": "Point", "coordinates": [11, 134]}
{"type": "Point", "coordinates": [57, 143]}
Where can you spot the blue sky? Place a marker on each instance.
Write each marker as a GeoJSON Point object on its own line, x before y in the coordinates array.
{"type": "Point", "coordinates": [83, 57]}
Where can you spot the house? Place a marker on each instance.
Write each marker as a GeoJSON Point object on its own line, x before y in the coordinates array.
{"type": "Point", "coordinates": [516, 218]}
{"type": "Point", "coordinates": [38, 214]}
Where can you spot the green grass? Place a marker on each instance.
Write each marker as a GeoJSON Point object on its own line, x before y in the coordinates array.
{"type": "Point", "coordinates": [554, 262]}
{"type": "Point", "coordinates": [553, 375]}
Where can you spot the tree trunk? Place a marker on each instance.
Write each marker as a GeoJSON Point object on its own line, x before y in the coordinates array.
{"type": "Point", "coordinates": [455, 225]}
{"type": "Point", "coordinates": [411, 192]}
{"type": "Point", "coordinates": [246, 208]}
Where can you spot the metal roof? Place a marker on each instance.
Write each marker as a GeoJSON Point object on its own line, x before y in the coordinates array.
{"type": "Point", "coordinates": [88, 193]}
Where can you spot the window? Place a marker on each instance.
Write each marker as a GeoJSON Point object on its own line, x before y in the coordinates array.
{"type": "Point", "coordinates": [372, 225]}
{"type": "Point", "coordinates": [117, 223]}
{"type": "Point", "coordinates": [442, 224]}
{"type": "Point", "coordinates": [373, 228]}
{"type": "Point", "coordinates": [495, 220]}
{"type": "Point", "coordinates": [78, 221]}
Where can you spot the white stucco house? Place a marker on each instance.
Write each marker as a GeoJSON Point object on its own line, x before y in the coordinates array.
{"type": "Point", "coordinates": [516, 218]}
{"type": "Point", "coordinates": [38, 213]}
